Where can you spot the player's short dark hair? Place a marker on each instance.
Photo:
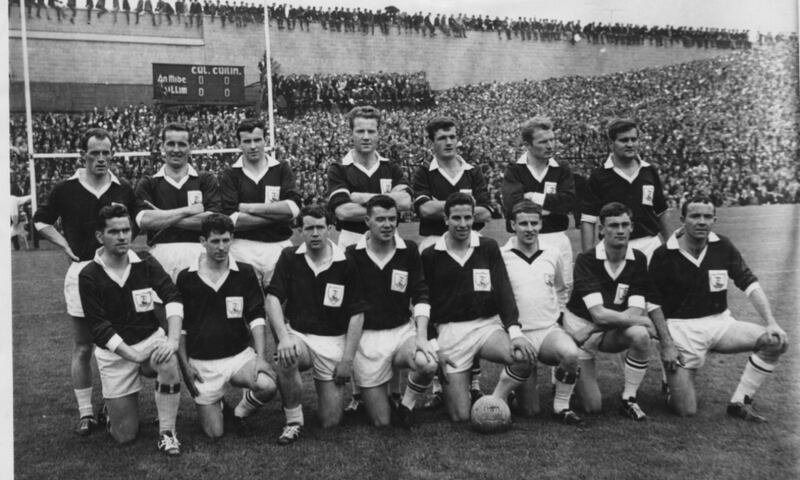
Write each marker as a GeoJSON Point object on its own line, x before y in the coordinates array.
{"type": "Point", "coordinates": [697, 199]}
{"type": "Point", "coordinates": [175, 127]}
{"type": "Point", "coordinates": [458, 198]}
{"type": "Point", "coordinates": [614, 209]}
{"type": "Point", "coordinates": [438, 123]}
{"type": "Point", "coordinates": [525, 206]}
{"type": "Point", "coordinates": [383, 201]}
{"type": "Point", "coordinates": [248, 125]}
{"type": "Point", "coordinates": [99, 133]}
{"type": "Point", "coordinates": [619, 125]}
{"type": "Point", "coordinates": [314, 211]}
{"type": "Point", "coordinates": [535, 123]}
{"type": "Point", "coordinates": [115, 210]}
{"type": "Point", "coordinates": [216, 223]}
{"type": "Point", "coordinates": [365, 111]}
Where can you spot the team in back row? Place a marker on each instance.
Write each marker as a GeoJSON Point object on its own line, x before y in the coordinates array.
{"type": "Point", "coordinates": [376, 303]}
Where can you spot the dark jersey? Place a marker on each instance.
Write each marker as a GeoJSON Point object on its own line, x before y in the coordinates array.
{"type": "Point", "coordinates": [556, 192]}
{"type": "Point", "coordinates": [166, 195]}
{"type": "Point", "coordinates": [124, 306]}
{"type": "Point", "coordinates": [318, 302]}
{"type": "Point", "coordinates": [469, 289]}
{"type": "Point", "coordinates": [277, 183]}
{"type": "Point", "coordinates": [217, 317]}
{"type": "Point", "coordinates": [689, 287]}
{"type": "Point", "coordinates": [392, 285]}
{"type": "Point", "coordinates": [643, 194]}
{"type": "Point", "coordinates": [431, 183]}
{"type": "Point", "coordinates": [347, 177]}
{"type": "Point", "coordinates": [77, 206]}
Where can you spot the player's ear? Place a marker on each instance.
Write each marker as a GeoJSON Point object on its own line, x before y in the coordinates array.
{"type": "Point", "coordinates": [98, 234]}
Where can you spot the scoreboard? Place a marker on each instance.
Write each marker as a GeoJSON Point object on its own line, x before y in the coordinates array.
{"type": "Point", "coordinates": [198, 84]}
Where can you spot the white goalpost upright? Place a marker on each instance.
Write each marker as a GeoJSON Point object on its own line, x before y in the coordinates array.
{"type": "Point", "coordinates": [28, 116]}
{"type": "Point", "coordinates": [268, 68]}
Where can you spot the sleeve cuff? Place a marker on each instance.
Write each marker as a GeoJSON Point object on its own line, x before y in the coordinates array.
{"type": "Point", "coordinates": [174, 309]}
{"type": "Point", "coordinates": [637, 301]}
{"type": "Point", "coordinates": [183, 332]}
{"type": "Point", "coordinates": [652, 307]}
{"type": "Point", "coordinates": [538, 198]}
{"type": "Point", "coordinates": [528, 196]}
{"type": "Point", "coordinates": [588, 218]}
{"type": "Point", "coordinates": [40, 225]}
{"type": "Point", "coordinates": [234, 217]}
{"type": "Point", "coordinates": [139, 218]}
{"type": "Point", "coordinates": [434, 344]}
{"type": "Point", "coordinates": [258, 322]}
{"type": "Point", "coordinates": [593, 300]}
{"type": "Point", "coordinates": [336, 192]}
{"type": "Point", "coordinates": [114, 342]}
{"type": "Point", "coordinates": [293, 208]}
{"type": "Point", "coordinates": [422, 310]}
{"type": "Point", "coordinates": [515, 331]}
{"type": "Point", "coordinates": [753, 286]}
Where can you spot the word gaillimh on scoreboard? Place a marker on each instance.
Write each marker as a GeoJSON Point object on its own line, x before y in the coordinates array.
{"type": "Point", "coordinates": [198, 84]}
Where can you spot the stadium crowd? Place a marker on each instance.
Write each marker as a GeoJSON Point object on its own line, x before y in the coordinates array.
{"type": "Point", "coordinates": [725, 126]}
{"type": "Point", "coordinates": [390, 19]}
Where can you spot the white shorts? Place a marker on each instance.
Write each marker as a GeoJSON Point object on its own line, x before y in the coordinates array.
{"type": "Point", "coordinates": [694, 337]}
{"type": "Point", "coordinates": [71, 292]}
{"type": "Point", "coordinates": [425, 242]}
{"type": "Point", "coordinates": [461, 341]}
{"type": "Point", "coordinates": [347, 238]}
{"type": "Point", "coordinates": [261, 255]}
{"type": "Point", "coordinates": [174, 257]}
{"type": "Point", "coordinates": [326, 352]}
{"type": "Point", "coordinates": [373, 362]}
{"type": "Point", "coordinates": [217, 373]}
{"type": "Point", "coordinates": [120, 377]}
{"type": "Point", "coordinates": [646, 245]}
{"type": "Point", "coordinates": [559, 241]}
{"type": "Point", "coordinates": [589, 349]}
{"type": "Point", "coordinates": [537, 336]}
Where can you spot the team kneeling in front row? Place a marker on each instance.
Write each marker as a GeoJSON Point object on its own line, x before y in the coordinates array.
{"type": "Point", "coordinates": [381, 305]}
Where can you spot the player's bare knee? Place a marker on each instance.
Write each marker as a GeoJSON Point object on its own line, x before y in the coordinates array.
{"type": "Point", "coordinates": [592, 406]}
{"type": "Point", "coordinates": [640, 339]}
{"type": "Point", "coordinates": [167, 372]}
{"type": "Point", "coordinates": [769, 348]}
{"type": "Point", "coordinates": [265, 387]}
{"type": "Point", "coordinates": [521, 369]}
{"type": "Point", "coordinates": [380, 421]}
{"type": "Point", "coordinates": [82, 351]}
{"type": "Point", "coordinates": [330, 420]}
{"type": "Point", "coordinates": [213, 432]}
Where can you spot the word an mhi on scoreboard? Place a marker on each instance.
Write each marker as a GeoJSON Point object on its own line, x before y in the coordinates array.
{"type": "Point", "coordinates": [198, 84]}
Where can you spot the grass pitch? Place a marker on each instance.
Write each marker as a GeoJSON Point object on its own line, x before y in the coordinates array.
{"type": "Point", "coordinates": [711, 445]}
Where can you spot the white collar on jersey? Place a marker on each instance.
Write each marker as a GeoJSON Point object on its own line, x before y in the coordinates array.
{"type": "Point", "coordinates": [239, 163]}
{"type": "Point", "coordinates": [672, 242]}
{"type": "Point", "coordinates": [162, 172]}
{"type": "Point", "coordinates": [464, 165]}
{"type": "Point", "coordinates": [338, 253]}
{"type": "Point", "coordinates": [79, 172]}
{"type": "Point", "coordinates": [348, 159]}
{"type": "Point", "coordinates": [398, 242]}
{"type": "Point", "coordinates": [523, 160]}
{"type": "Point", "coordinates": [609, 164]}
{"type": "Point", "coordinates": [474, 241]}
{"type": "Point", "coordinates": [119, 280]}
{"type": "Point", "coordinates": [195, 266]}
{"type": "Point", "coordinates": [600, 252]}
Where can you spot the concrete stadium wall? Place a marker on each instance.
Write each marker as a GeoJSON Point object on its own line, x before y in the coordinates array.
{"type": "Point", "coordinates": [78, 66]}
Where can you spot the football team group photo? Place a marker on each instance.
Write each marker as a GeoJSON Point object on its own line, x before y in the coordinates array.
{"type": "Point", "coordinates": [338, 252]}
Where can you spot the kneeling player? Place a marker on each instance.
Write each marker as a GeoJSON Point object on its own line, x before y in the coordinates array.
{"type": "Point", "coordinates": [324, 314]}
{"type": "Point", "coordinates": [540, 291]}
{"type": "Point", "coordinates": [472, 305]}
{"type": "Point", "coordinates": [609, 294]}
{"type": "Point", "coordinates": [118, 291]}
{"type": "Point", "coordinates": [222, 298]}
{"type": "Point", "coordinates": [391, 270]}
{"type": "Point", "coordinates": [691, 275]}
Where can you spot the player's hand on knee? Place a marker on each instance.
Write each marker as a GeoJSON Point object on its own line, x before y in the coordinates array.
{"type": "Point", "coordinates": [522, 350]}
{"type": "Point", "coordinates": [163, 352]}
{"type": "Point", "coordinates": [774, 340]}
{"type": "Point", "coordinates": [424, 354]}
{"type": "Point", "coordinates": [671, 358]}
{"type": "Point", "coordinates": [288, 352]}
{"type": "Point", "coordinates": [342, 372]}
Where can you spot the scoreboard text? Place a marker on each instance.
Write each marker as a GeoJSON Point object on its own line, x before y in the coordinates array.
{"type": "Point", "coordinates": [202, 84]}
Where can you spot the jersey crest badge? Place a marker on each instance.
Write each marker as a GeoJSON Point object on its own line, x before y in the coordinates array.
{"type": "Point", "coordinates": [622, 294]}
{"type": "Point", "coordinates": [272, 194]}
{"type": "Point", "coordinates": [334, 295]}
{"type": "Point", "coordinates": [386, 185]}
{"type": "Point", "coordinates": [194, 196]}
{"type": "Point", "coordinates": [481, 280]}
{"type": "Point", "coordinates": [717, 280]}
{"type": "Point", "coordinates": [234, 307]}
{"type": "Point", "coordinates": [143, 299]}
{"type": "Point", "coordinates": [647, 194]}
{"type": "Point", "coordinates": [550, 188]}
{"type": "Point", "coordinates": [399, 280]}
